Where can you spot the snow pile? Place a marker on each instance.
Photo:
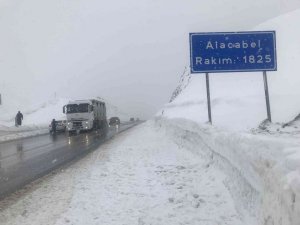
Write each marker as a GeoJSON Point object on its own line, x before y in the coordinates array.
{"type": "Point", "coordinates": [237, 99]}
{"type": "Point", "coordinates": [11, 133]}
{"type": "Point", "coordinates": [294, 124]}
{"type": "Point", "coordinates": [263, 172]}
{"type": "Point", "coordinates": [282, 129]}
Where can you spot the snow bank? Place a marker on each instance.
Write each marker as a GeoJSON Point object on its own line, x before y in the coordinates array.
{"type": "Point", "coordinates": [263, 171]}
{"type": "Point", "coordinates": [291, 128]}
{"type": "Point", "coordinates": [13, 133]}
{"type": "Point", "coordinates": [237, 99]}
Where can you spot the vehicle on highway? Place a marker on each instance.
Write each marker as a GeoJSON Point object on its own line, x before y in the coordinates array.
{"type": "Point", "coordinates": [131, 119]}
{"type": "Point", "coordinates": [61, 126]}
{"type": "Point", "coordinates": [114, 121]}
{"type": "Point", "coordinates": [85, 115]}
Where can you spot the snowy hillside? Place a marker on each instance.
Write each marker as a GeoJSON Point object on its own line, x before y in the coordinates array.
{"type": "Point", "coordinates": [34, 114]}
{"type": "Point", "coordinates": [263, 170]}
{"type": "Point", "coordinates": [40, 114]}
{"type": "Point", "coordinates": [113, 110]}
{"type": "Point", "coordinates": [238, 100]}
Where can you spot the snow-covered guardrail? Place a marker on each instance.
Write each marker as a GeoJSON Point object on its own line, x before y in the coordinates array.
{"type": "Point", "coordinates": [263, 171]}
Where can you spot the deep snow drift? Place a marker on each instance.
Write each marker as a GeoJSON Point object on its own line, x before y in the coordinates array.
{"type": "Point", "coordinates": [263, 171]}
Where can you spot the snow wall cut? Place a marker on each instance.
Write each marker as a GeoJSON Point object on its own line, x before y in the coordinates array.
{"type": "Point", "coordinates": [260, 170]}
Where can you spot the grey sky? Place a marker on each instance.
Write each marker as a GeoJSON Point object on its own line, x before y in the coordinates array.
{"type": "Point", "coordinates": [129, 52]}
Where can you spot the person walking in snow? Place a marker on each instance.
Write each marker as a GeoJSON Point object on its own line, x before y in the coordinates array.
{"type": "Point", "coordinates": [19, 118]}
{"type": "Point", "coordinates": [53, 126]}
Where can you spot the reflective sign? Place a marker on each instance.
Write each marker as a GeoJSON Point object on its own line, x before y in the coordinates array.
{"type": "Point", "coordinates": [233, 51]}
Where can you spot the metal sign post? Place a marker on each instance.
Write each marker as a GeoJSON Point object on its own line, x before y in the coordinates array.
{"type": "Point", "coordinates": [267, 96]}
{"type": "Point", "coordinates": [208, 98]}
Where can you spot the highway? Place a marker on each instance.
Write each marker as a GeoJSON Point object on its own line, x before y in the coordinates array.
{"type": "Point", "coordinates": [25, 160]}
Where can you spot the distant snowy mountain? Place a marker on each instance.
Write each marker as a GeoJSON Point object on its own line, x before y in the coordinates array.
{"type": "Point", "coordinates": [238, 100]}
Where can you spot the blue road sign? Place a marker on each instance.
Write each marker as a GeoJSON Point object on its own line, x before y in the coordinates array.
{"type": "Point", "coordinates": [233, 52]}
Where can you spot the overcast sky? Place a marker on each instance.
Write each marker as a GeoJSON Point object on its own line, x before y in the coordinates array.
{"type": "Point", "coordinates": [131, 52]}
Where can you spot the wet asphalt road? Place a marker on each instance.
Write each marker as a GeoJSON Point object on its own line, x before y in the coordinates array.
{"type": "Point", "coordinates": [25, 160]}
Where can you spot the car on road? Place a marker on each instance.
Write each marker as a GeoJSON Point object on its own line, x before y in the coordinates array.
{"type": "Point", "coordinates": [61, 126]}
{"type": "Point", "coordinates": [114, 121]}
{"type": "Point", "coordinates": [131, 119]}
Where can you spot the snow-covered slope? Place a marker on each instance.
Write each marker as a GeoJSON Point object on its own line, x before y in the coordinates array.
{"type": "Point", "coordinates": [113, 110]}
{"type": "Point", "coordinates": [41, 114]}
{"type": "Point", "coordinates": [238, 100]}
{"type": "Point", "coordinates": [263, 170]}
{"type": "Point", "coordinates": [34, 114]}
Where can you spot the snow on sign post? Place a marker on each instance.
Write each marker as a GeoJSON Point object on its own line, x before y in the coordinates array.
{"type": "Point", "coordinates": [233, 52]}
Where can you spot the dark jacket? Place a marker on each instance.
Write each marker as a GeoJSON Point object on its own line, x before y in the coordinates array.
{"type": "Point", "coordinates": [53, 125]}
{"type": "Point", "coordinates": [19, 118]}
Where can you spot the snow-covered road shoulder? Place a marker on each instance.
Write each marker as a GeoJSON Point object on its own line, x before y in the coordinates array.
{"type": "Point", "coordinates": [141, 176]}
{"type": "Point", "coordinates": [171, 171]}
{"type": "Point", "coordinates": [14, 133]}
